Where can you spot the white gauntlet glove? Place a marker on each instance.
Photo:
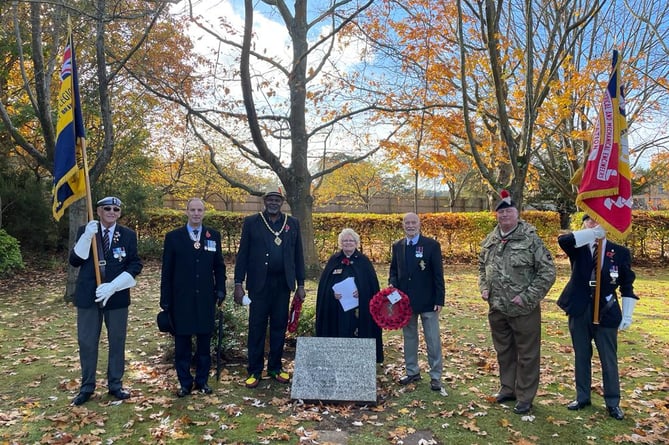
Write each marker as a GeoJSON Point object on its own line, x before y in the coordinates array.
{"type": "Point", "coordinates": [106, 290]}
{"type": "Point", "coordinates": [628, 308]}
{"type": "Point", "coordinates": [83, 246]}
{"type": "Point", "coordinates": [588, 236]}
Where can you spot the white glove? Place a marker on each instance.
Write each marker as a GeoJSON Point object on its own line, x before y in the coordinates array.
{"type": "Point", "coordinates": [628, 308]}
{"type": "Point", "coordinates": [588, 236]}
{"type": "Point", "coordinates": [106, 290]}
{"type": "Point", "coordinates": [83, 246]}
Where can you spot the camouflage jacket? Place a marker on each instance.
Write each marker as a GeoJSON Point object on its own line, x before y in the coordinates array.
{"type": "Point", "coordinates": [519, 264]}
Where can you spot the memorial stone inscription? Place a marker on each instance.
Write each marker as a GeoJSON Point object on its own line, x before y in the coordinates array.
{"type": "Point", "coordinates": [335, 369]}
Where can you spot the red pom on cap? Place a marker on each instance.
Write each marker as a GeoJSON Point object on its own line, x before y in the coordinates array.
{"type": "Point", "coordinates": [505, 201]}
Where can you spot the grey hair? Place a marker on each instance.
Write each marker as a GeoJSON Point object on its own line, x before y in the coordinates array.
{"type": "Point", "coordinates": [348, 231]}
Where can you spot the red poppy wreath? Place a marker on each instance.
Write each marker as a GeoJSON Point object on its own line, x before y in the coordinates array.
{"type": "Point", "coordinates": [294, 317]}
{"type": "Point", "coordinates": [388, 315]}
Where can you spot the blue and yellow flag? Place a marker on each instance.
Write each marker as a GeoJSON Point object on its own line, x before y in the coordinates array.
{"type": "Point", "coordinates": [69, 181]}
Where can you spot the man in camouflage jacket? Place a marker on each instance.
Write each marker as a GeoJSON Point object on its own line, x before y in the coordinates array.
{"type": "Point", "coordinates": [516, 271]}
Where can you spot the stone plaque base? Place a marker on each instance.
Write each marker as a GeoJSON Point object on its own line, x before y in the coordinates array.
{"type": "Point", "coordinates": [335, 369]}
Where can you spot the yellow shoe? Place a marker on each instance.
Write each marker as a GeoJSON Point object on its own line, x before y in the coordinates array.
{"type": "Point", "coordinates": [252, 381]}
{"type": "Point", "coordinates": [280, 376]}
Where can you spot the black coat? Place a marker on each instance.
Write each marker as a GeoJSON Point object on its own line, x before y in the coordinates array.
{"type": "Point", "coordinates": [124, 247]}
{"type": "Point", "coordinates": [422, 279]}
{"type": "Point", "coordinates": [577, 294]}
{"type": "Point", "coordinates": [191, 279]}
{"type": "Point", "coordinates": [251, 262]}
{"type": "Point", "coordinates": [329, 310]}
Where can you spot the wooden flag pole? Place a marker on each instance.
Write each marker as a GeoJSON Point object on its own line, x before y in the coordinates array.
{"type": "Point", "coordinates": [598, 278]}
{"type": "Point", "coordinates": [91, 216]}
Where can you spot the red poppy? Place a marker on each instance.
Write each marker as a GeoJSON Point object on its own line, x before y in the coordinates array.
{"type": "Point", "coordinates": [287, 228]}
{"type": "Point", "coordinates": [610, 253]}
{"type": "Point", "coordinates": [207, 235]}
{"type": "Point", "coordinates": [345, 261]}
{"type": "Point", "coordinates": [388, 315]}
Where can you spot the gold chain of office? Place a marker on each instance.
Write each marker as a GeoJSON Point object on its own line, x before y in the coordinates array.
{"type": "Point", "coordinates": [277, 240]}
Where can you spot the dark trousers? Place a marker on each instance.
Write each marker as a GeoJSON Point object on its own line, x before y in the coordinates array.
{"type": "Point", "coordinates": [517, 341]}
{"type": "Point", "coordinates": [89, 326]}
{"type": "Point", "coordinates": [182, 359]}
{"type": "Point", "coordinates": [583, 332]}
{"type": "Point", "coordinates": [268, 306]}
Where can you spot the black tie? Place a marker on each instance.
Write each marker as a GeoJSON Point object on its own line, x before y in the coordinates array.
{"type": "Point", "coordinates": [195, 232]}
{"type": "Point", "coordinates": [105, 242]}
{"type": "Point", "coordinates": [409, 251]}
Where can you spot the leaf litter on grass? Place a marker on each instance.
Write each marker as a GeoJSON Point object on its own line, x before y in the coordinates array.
{"type": "Point", "coordinates": [40, 372]}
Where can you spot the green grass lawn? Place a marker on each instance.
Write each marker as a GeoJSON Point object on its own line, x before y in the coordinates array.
{"type": "Point", "coordinates": [39, 375]}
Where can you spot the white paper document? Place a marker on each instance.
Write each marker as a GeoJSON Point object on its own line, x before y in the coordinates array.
{"type": "Point", "coordinates": [346, 288]}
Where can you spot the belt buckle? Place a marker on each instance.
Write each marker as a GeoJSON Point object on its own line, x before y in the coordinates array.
{"type": "Point", "coordinates": [102, 263]}
{"type": "Point", "coordinates": [592, 283]}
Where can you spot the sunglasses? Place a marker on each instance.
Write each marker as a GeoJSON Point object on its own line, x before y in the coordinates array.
{"type": "Point", "coordinates": [109, 209]}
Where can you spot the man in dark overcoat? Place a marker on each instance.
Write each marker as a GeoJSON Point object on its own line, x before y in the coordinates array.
{"type": "Point", "coordinates": [577, 301]}
{"type": "Point", "coordinates": [192, 284]}
{"type": "Point", "coordinates": [271, 260]}
{"type": "Point", "coordinates": [416, 269]}
{"type": "Point", "coordinates": [108, 302]}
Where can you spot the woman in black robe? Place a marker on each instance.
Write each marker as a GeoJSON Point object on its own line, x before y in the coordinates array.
{"type": "Point", "coordinates": [331, 320]}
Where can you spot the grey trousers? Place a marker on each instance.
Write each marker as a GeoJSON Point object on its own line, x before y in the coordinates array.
{"type": "Point", "coordinates": [89, 326]}
{"type": "Point", "coordinates": [430, 322]}
{"type": "Point", "coordinates": [583, 332]}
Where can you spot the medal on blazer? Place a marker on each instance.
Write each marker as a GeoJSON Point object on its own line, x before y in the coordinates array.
{"type": "Point", "coordinates": [195, 236]}
{"type": "Point", "coordinates": [277, 240]}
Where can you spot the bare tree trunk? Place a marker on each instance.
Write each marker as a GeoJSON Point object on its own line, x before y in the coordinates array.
{"type": "Point", "coordinates": [302, 208]}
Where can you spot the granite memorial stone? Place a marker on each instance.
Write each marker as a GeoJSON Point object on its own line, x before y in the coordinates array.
{"type": "Point", "coordinates": [335, 369]}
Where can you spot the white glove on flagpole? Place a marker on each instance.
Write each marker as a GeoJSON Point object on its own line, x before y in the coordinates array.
{"type": "Point", "coordinates": [628, 308]}
{"type": "Point", "coordinates": [83, 246]}
{"type": "Point", "coordinates": [588, 236]}
{"type": "Point", "coordinates": [106, 290]}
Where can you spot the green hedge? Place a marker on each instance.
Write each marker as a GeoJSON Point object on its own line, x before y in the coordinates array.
{"type": "Point", "coordinates": [10, 253]}
{"type": "Point", "coordinates": [459, 233]}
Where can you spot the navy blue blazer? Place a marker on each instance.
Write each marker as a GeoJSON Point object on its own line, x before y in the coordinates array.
{"type": "Point", "coordinates": [251, 262]}
{"type": "Point", "coordinates": [576, 297]}
{"type": "Point", "coordinates": [422, 279]}
{"type": "Point", "coordinates": [123, 257]}
{"type": "Point", "coordinates": [191, 279]}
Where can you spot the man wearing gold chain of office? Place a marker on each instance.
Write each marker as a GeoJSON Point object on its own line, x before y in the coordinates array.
{"type": "Point", "coordinates": [271, 260]}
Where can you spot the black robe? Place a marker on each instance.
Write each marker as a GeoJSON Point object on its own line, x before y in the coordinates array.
{"type": "Point", "coordinates": [331, 320]}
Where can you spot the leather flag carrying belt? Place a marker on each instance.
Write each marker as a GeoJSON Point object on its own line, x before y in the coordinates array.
{"type": "Point", "coordinates": [101, 259]}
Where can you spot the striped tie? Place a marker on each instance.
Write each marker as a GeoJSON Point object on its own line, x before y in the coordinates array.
{"type": "Point", "coordinates": [105, 243]}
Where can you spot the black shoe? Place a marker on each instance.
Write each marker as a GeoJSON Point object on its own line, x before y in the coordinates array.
{"type": "Point", "coordinates": [435, 385]}
{"type": "Point", "coordinates": [409, 379]}
{"type": "Point", "coordinates": [204, 389]}
{"type": "Point", "coordinates": [183, 392]}
{"type": "Point", "coordinates": [615, 412]}
{"type": "Point", "coordinates": [81, 398]}
{"type": "Point", "coordinates": [120, 394]}
{"type": "Point", "coordinates": [501, 398]}
{"type": "Point", "coordinates": [576, 405]}
{"type": "Point", "coordinates": [522, 408]}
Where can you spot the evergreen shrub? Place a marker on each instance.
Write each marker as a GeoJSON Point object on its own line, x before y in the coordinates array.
{"type": "Point", "coordinates": [10, 253]}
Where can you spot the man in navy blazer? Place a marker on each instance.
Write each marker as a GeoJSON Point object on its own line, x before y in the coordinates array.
{"type": "Point", "coordinates": [271, 260]}
{"type": "Point", "coordinates": [416, 269]}
{"type": "Point", "coordinates": [577, 301]}
{"type": "Point", "coordinates": [192, 284]}
{"type": "Point", "coordinates": [119, 265]}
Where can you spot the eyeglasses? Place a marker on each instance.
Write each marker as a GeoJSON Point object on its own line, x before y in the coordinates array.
{"type": "Point", "coordinates": [348, 241]}
{"type": "Point", "coordinates": [109, 209]}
